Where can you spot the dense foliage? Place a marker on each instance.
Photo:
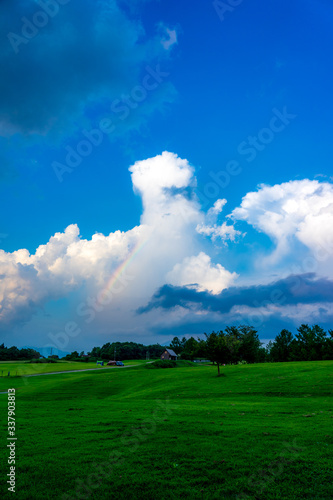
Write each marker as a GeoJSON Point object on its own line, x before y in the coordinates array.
{"type": "Point", "coordinates": [13, 353]}
{"type": "Point", "coordinates": [241, 343]}
{"type": "Point", "coordinates": [126, 350]}
{"type": "Point", "coordinates": [309, 344]}
{"type": "Point", "coordinates": [186, 348]}
{"type": "Point", "coordinates": [224, 347]}
{"type": "Point", "coordinates": [228, 346]}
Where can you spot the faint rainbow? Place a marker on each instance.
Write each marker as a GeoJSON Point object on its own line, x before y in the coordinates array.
{"type": "Point", "coordinates": [121, 268]}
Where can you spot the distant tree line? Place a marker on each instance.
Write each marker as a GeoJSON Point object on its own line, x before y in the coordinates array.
{"type": "Point", "coordinates": [234, 344]}
{"type": "Point", "coordinates": [188, 348]}
{"type": "Point", "coordinates": [309, 344]}
{"type": "Point", "coordinates": [242, 344]}
{"type": "Point", "coordinates": [75, 356]}
{"type": "Point", "coordinates": [13, 353]}
{"type": "Point", "coordinates": [119, 350]}
{"type": "Point", "coordinates": [126, 350]}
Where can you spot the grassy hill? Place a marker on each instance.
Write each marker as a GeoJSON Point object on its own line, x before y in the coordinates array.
{"type": "Point", "coordinates": [22, 368]}
{"type": "Point", "coordinates": [259, 432]}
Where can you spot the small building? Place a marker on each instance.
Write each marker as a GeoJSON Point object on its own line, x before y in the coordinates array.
{"type": "Point", "coordinates": [112, 363]}
{"type": "Point", "coordinates": [169, 354]}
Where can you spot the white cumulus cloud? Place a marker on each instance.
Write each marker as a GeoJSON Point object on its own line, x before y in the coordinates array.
{"type": "Point", "coordinates": [169, 40]}
{"type": "Point", "coordinates": [225, 231]}
{"type": "Point", "coordinates": [295, 210]}
{"type": "Point", "coordinates": [217, 207]}
{"type": "Point", "coordinates": [150, 251]}
{"type": "Point", "coordinates": [199, 272]}
{"type": "Point", "coordinates": [213, 230]}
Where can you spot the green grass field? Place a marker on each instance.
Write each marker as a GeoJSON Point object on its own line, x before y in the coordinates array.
{"type": "Point", "coordinates": [21, 368]}
{"type": "Point", "coordinates": [258, 432]}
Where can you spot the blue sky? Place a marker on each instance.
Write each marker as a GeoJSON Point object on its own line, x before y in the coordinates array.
{"type": "Point", "coordinates": [239, 99]}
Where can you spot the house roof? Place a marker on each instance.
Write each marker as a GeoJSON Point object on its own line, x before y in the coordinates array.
{"type": "Point", "coordinates": [171, 352]}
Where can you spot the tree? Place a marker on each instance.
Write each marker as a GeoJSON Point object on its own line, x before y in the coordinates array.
{"type": "Point", "coordinates": [176, 345]}
{"type": "Point", "coordinates": [328, 347]}
{"type": "Point", "coordinates": [28, 353]}
{"type": "Point", "coordinates": [95, 352]}
{"type": "Point", "coordinates": [217, 349]}
{"type": "Point", "coordinates": [280, 350]}
{"type": "Point", "coordinates": [71, 356]}
{"type": "Point", "coordinates": [13, 353]}
{"type": "Point", "coordinates": [126, 350]}
{"type": "Point", "coordinates": [268, 350]}
{"type": "Point", "coordinates": [234, 344]}
{"type": "Point", "coordinates": [250, 344]}
{"type": "Point", "coordinates": [190, 349]}
{"type": "Point", "coordinates": [183, 342]}
{"type": "Point", "coordinates": [310, 343]}
{"type": "Point", "coordinates": [155, 350]}
{"type": "Point", "coordinates": [233, 341]}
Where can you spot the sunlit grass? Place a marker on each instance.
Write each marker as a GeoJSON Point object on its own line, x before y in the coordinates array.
{"type": "Point", "coordinates": [260, 432]}
{"type": "Point", "coordinates": [21, 368]}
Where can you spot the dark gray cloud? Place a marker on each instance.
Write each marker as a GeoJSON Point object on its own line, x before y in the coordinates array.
{"type": "Point", "coordinates": [295, 289]}
{"type": "Point", "coordinates": [63, 60]}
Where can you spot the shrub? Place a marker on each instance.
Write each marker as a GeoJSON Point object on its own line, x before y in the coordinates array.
{"type": "Point", "coordinates": [162, 363]}
{"type": "Point", "coordinates": [185, 362]}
